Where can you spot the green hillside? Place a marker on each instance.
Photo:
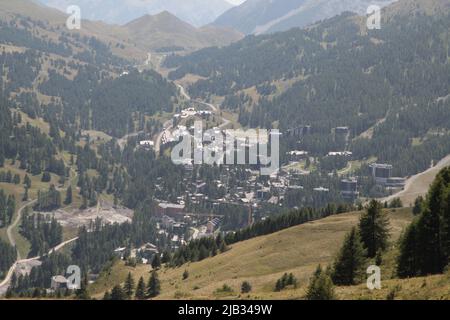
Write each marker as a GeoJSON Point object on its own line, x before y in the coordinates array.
{"type": "Point", "coordinates": [261, 261]}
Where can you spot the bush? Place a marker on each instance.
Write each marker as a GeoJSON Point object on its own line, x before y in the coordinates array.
{"type": "Point", "coordinates": [285, 281]}
{"type": "Point", "coordinates": [246, 287]}
{"type": "Point", "coordinates": [224, 289]}
{"type": "Point", "coordinates": [321, 286]}
{"type": "Point", "coordinates": [46, 177]}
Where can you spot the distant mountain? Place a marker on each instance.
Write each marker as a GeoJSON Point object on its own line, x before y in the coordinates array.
{"type": "Point", "coordinates": [195, 12]}
{"type": "Point", "coordinates": [161, 32]}
{"type": "Point", "coordinates": [166, 31]}
{"type": "Point", "coordinates": [266, 16]}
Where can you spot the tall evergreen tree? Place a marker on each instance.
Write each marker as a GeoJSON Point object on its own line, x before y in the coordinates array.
{"type": "Point", "coordinates": [117, 293]}
{"type": "Point", "coordinates": [128, 287]}
{"type": "Point", "coordinates": [68, 199]}
{"type": "Point", "coordinates": [407, 262]}
{"type": "Point", "coordinates": [140, 290]}
{"type": "Point", "coordinates": [320, 286]}
{"type": "Point", "coordinates": [156, 262]}
{"type": "Point", "coordinates": [374, 228]}
{"type": "Point", "coordinates": [348, 267]}
{"type": "Point", "coordinates": [154, 286]}
{"type": "Point", "coordinates": [425, 246]}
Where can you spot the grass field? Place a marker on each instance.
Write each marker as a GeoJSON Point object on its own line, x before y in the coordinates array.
{"type": "Point", "coordinates": [261, 261]}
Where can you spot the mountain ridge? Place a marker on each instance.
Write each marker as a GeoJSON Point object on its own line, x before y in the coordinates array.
{"type": "Point", "coordinates": [153, 32]}
{"type": "Point", "coordinates": [267, 16]}
{"type": "Point", "coordinates": [195, 12]}
{"type": "Point", "coordinates": [130, 36]}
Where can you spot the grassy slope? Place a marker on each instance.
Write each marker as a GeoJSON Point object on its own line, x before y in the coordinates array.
{"type": "Point", "coordinates": [261, 261]}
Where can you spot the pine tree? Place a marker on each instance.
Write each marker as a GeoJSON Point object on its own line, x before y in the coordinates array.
{"type": "Point", "coordinates": [46, 177]}
{"type": "Point", "coordinates": [374, 228]}
{"type": "Point", "coordinates": [16, 179]}
{"type": "Point", "coordinates": [156, 262]}
{"type": "Point", "coordinates": [278, 285]}
{"type": "Point", "coordinates": [25, 195]}
{"type": "Point", "coordinates": [246, 287]}
{"type": "Point", "coordinates": [117, 293]}
{"type": "Point", "coordinates": [27, 181]}
{"type": "Point", "coordinates": [154, 286]}
{"type": "Point", "coordinates": [349, 263]}
{"type": "Point", "coordinates": [407, 262]}
{"type": "Point", "coordinates": [425, 246]}
{"type": "Point", "coordinates": [129, 286]}
{"type": "Point", "coordinates": [320, 286]}
{"type": "Point", "coordinates": [140, 290]}
{"type": "Point", "coordinates": [418, 205]}
{"type": "Point", "coordinates": [82, 293]}
{"type": "Point", "coordinates": [68, 199]}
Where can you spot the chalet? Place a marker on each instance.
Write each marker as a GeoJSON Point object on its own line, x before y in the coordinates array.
{"type": "Point", "coordinates": [59, 282]}
{"type": "Point", "coordinates": [120, 252]}
{"type": "Point", "coordinates": [147, 252]}
{"type": "Point", "coordinates": [212, 225]}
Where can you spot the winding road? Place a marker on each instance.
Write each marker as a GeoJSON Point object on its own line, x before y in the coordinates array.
{"type": "Point", "coordinates": [123, 141]}
{"type": "Point", "coordinates": [5, 283]}
{"type": "Point", "coordinates": [9, 231]}
{"type": "Point", "coordinates": [11, 227]}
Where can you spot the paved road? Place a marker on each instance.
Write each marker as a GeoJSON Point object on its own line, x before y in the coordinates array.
{"type": "Point", "coordinates": [123, 141]}
{"type": "Point", "coordinates": [20, 262]}
{"type": "Point", "coordinates": [213, 108]}
{"type": "Point", "coordinates": [11, 227]}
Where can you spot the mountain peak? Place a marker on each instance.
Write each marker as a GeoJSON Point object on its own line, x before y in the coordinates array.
{"type": "Point", "coordinates": [195, 12]}
{"type": "Point", "coordinates": [162, 22]}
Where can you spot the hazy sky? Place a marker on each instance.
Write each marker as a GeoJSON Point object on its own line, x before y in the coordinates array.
{"type": "Point", "coordinates": [236, 2]}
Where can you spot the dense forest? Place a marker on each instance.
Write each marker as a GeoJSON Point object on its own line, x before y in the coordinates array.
{"type": "Point", "coordinates": [8, 256]}
{"type": "Point", "coordinates": [425, 245]}
{"type": "Point", "coordinates": [43, 232]}
{"type": "Point", "coordinates": [7, 208]}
